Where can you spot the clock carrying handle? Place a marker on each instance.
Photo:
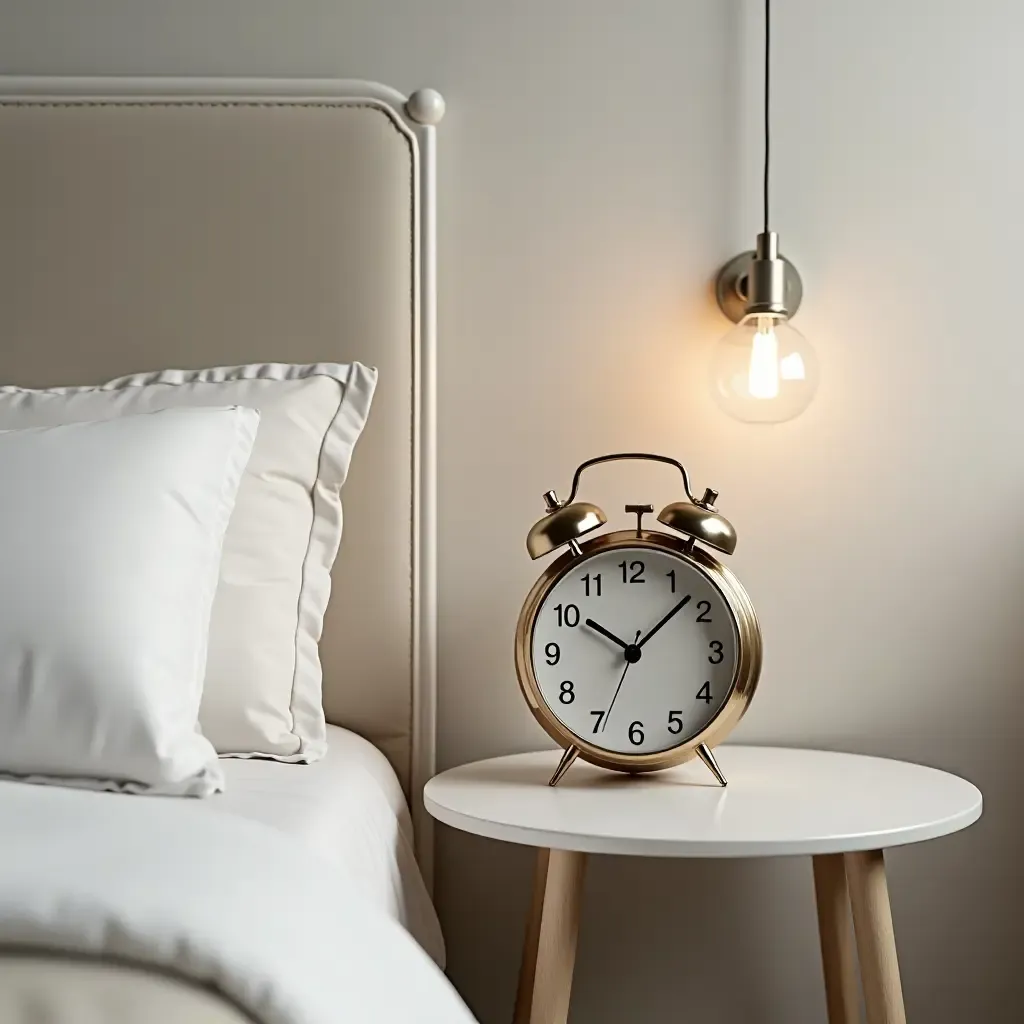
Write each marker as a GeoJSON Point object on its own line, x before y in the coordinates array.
{"type": "Point", "coordinates": [565, 521]}
{"type": "Point", "coordinates": [622, 456]}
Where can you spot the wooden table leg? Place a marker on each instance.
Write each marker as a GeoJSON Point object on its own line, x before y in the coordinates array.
{"type": "Point", "coordinates": [549, 953]}
{"type": "Point", "coordinates": [837, 958]}
{"type": "Point", "coordinates": [876, 943]}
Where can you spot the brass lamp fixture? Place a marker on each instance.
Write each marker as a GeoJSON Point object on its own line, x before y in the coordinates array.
{"type": "Point", "coordinates": [763, 370]}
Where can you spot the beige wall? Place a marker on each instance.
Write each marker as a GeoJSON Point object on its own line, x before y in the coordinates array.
{"type": "Point", "coordinates": [595, 170]}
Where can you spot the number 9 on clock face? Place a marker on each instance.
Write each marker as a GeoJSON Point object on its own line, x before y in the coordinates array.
{"type": "Point", "coordinates": [634, 649]}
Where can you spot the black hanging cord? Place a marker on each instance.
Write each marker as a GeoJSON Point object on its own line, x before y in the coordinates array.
{"type": "Point", "coordinates": [767, 107]}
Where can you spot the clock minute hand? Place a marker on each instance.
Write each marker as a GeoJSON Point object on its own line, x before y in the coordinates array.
{"type": "Point", "coordinates": [598, 628]}
{"type": "Point", "coordinates": [680, 605]}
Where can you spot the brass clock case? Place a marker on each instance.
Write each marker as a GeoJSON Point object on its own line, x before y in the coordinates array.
{"type": "Point", "coordinates": [745, 675]}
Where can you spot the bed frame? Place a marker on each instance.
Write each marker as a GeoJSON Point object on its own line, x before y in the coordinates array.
{"type": "Point", "coordinates": [152, 223]}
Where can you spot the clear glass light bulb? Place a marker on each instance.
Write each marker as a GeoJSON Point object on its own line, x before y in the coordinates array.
{"type": "Point", "coordinates": [764, 370]}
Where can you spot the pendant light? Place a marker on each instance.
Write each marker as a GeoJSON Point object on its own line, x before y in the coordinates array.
{"type": "Point", "coordinates": [764, 370]}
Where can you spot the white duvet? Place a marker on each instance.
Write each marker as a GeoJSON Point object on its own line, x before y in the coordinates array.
{"type": "Point", "coordinates": [347, 808]}
{"type": "Point", "coordinates": [220, 900]}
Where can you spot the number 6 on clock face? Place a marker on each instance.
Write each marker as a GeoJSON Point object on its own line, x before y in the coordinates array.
{"type": "Point", "coordinates": [637, 649]}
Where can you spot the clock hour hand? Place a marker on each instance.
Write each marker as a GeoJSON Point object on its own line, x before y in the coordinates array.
{"type": "Point", "coordinates": [678, 606]}
{"type": "Point", "coordinates": [598, 628]}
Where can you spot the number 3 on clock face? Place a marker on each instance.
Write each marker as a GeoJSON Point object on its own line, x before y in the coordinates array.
{"type": "Point", "coordinates": [634, 649]}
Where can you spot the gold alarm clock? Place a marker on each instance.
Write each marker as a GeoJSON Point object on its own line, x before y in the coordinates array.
{"type": "Point", "coordinates": [636, 649]}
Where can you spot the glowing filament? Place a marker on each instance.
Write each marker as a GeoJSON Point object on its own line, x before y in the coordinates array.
{"type": "Point", "coordinates": [763, 375]}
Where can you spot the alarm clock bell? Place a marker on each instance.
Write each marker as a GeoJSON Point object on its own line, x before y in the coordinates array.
{"type": "Point", "coordinates": [700, 521]}
{"type": "Point", "coordinates": [564, 524]}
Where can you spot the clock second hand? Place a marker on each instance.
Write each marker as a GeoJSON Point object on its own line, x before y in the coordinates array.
{"type": "Point", "coordinates": [629, 661]}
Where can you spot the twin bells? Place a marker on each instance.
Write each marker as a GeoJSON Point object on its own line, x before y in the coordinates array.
{"type": "Point", "coordinates": [566, 522]}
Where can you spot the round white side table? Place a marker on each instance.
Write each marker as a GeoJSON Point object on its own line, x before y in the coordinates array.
{"type": "Point", "coordinates": [841, 809]}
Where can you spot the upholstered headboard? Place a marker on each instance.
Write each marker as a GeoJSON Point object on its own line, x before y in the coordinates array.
{"type": "Point", "coordinates": [161, 223]}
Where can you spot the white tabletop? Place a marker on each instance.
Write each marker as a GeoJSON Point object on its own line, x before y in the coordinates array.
{"type": "Point", "coordinates": [778, 802]}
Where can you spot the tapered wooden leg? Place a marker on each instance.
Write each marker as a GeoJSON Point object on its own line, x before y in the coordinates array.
{"type": "Point", "coordinates": [876, 943]}
{"type": "Point", "coordinates": [837, 957]}
{"type": "Point", "coordinates": [549, 953]}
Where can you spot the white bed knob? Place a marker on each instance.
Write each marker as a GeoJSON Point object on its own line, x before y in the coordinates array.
{"type": "Point", "coordinates": [425, 106]}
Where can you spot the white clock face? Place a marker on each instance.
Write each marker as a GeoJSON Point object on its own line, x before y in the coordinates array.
{"type": "Point", "coordinates": [634, 650]}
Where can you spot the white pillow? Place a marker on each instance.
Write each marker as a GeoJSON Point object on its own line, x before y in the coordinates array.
{"type": "Point", "coordinates": [110, 544]}
{"type": "Point", "coordinates": [263, 682]}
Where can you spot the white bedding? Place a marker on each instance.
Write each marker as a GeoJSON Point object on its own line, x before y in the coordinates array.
{"type": "Point", "coordinates": [348, 809]}
{"type": "Point", "coordinates": [223, 901]}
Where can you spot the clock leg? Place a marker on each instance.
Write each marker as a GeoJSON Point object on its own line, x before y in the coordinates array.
{"type": "Point", "coordinates": [549, 952]}
{"type": "Point", "coordinates": [704, 753]}
{"type": "Point", "coordinates": [570, 755]}
{"type": "Point", "coordinates": [833, 899]}
{"type": "Point", "coordinates": [876, 943]}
